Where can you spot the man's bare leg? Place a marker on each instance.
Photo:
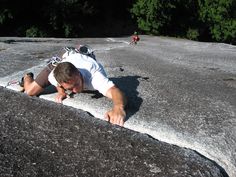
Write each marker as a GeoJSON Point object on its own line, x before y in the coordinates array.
{"type": "Point", "coordinates": [31, 87]}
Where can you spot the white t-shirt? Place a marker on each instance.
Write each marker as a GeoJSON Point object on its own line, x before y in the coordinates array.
{"type": "Point", "coordinates": [93, 73]}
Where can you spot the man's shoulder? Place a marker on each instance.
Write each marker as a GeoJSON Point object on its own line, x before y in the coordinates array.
{"type": "Point", "coordinates": [52, 79]}
{"type": "Point", "coordinates": [81, 60]}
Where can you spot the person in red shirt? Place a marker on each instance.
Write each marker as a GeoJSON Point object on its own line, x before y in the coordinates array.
{"type": "Point", "coordinates": [135, 38]}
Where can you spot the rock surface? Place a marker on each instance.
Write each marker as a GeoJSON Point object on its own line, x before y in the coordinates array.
{"type": "Point", "coordinates": [180, 92]}
{"type": "Point", "coordinates": [41, 138]}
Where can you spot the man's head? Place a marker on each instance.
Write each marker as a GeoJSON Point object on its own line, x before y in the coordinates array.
{"type": "Point", "coordinates": [69, 77]}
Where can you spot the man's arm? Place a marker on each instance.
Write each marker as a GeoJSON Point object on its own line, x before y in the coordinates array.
{"type": "Point", "coordinates": [117, 114]}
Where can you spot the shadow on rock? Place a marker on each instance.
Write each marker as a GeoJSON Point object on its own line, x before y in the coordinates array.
{"type": "Point", "coordinates": [128, 85]}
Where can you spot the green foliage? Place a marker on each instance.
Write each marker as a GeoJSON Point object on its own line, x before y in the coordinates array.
{"type": "Point", "coordinates": [5, 14]}
{"type": "Point", "coordinates": [34, 32]}
{"type": "Point", "coordinates": [58, 18]}
{"type": "Point", "coordinates": [192, 34]}
{"type": "Point", "coordinates": [188, 18]}
{"type": "Point", "coordinates": [193, 19]}
{"type": "Point", "coordinates": [166, 17]}
{"type": "Point", "coordinates": [63, 16]}
{"type": "Point", "coordinates": [68, 30]}
{"type": "Point", "coordinates": [150, 14]}
{"type": "Point", "coordinates": [220, 18]}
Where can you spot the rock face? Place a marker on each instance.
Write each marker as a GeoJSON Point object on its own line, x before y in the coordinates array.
{"type": "Point", "coordinates": [41, 138]}
{"type": "Point", "coordinates": [180, 92]}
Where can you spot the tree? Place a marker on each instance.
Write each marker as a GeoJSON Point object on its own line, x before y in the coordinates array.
{"type": "Point", "coordinates": [220, 17]}
{"type": "Point", "coordinates": [150, 15]}
{"type": "Point", "coordinates": [166, 17]}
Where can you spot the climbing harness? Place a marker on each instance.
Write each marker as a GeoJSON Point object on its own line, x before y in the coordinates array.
{"type": "Point", "coordinates": [12, 82]}
{"type": "Point", "coordinates": [54, 61]}
{"type": "Point", "coordinates": [83, 49]}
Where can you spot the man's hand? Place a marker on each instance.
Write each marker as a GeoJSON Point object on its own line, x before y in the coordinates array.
{"type": "Point", "coordinates": [116, 115]}
{"type": "Point", "coordinates": [61, 95]}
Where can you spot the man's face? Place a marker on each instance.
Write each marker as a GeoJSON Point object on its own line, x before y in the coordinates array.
{"type": "Point", "coordinates": [75, 84]}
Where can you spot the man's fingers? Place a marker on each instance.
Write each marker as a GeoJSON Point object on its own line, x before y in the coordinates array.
{"type": "Point", "coordinates": [117, 120]}
{"type": "Point", "coordinates": [59, 99]}
{"type": "Point", "coordinates": [114, 119]}
{"type": "Point", "coordinates": [107, 118]}
{"type": "Point", "coordinates": [121, 123]}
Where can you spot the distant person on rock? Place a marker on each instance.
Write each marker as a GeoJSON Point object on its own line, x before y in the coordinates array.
{"type": "Point", "coordinates": [135, 38]}
{"type": "Point", "coordinates": [78, 72]}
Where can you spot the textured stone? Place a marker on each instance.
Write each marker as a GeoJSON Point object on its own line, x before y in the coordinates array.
{"type": "Point", "coordinates": [41, 138]}
{"type": "Point", "coordinates": [180, 92]}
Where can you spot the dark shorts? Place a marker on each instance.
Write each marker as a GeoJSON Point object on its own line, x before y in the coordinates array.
{"type": "Point", "coordinates": [42, 77]}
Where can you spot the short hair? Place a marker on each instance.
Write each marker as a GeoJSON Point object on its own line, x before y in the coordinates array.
{"type": "Point", "coordinates": [64, 72]}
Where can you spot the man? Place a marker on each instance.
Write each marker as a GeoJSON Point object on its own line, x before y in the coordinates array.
{"type": "Point", "coordinates": [78, 72]}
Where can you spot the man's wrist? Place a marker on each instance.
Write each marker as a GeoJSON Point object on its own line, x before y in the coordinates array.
{"type": "Point", "coordinates": [119, 106]}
